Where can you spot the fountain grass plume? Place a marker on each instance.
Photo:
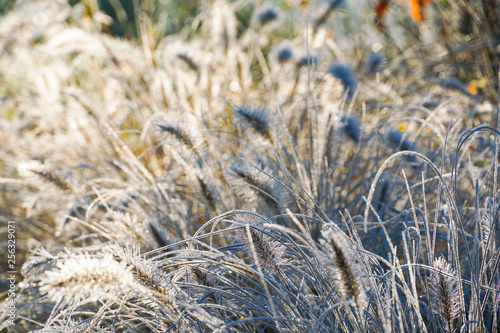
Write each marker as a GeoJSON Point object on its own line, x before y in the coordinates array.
{"type": "Point", "coordinates": [443, 291]}
{"type": "Point", "coordinates": [396, 138]}
{"type": "Point", "coordinates": [179, 134]}
{"type": "Point", "coordinates": [256, 119]}
{"type": "Point", "coordinates": [346, 75]}
{"type": "Point", "coordinates": [284, 54]}
{"type": "Point", "coordinates": [310, 60]}
{"type": "Point", "coordinates": [80, 276]}
{"type": "Point", "coordinates": [267, 15]}
{"type": "Point", "coordinates": [352, 127]}
{"type": "Point", "coordinates": [46, 173]}
{"type": "Point", "coordinates": [374, 64]}
{"type": "Point", "coordinates": [347, 280]}
{"type": "Point", "coordinates": [270, 252]}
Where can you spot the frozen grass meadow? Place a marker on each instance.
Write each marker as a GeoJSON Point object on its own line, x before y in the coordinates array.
{"type": "Point", "coordinates": [251, 166]}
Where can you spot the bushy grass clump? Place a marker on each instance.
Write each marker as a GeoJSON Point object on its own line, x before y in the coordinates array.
{"type": "Point", "coordinates": [279, 167]}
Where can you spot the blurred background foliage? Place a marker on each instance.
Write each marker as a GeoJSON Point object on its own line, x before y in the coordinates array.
{"type": "Point", "coordinates": [469, 31]}
{"type": "Point", "coordinates": [6, 5]}
{"type": "Point", "coordinates": [171, 16]}
{"type": "Point", "coordinates": [174, 15]}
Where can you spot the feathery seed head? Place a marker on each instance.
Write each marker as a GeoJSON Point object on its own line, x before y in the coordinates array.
{"type": "Point", "coordinates": [189, 61]}
{"type": "Point", "coordinates": [282, 52]}
{"type": "Point", "coordinates": [344, 264]}
{"type": "Point", "coordinates": [256, 119]}
{"type": "Point", "coordinates": [330, 5]}
{"type": "Point", "coordinates": [148, 277]}
{"type": "Point", "coordinates": [396, 138]}
{"type": "Point", "coordinates": [197, 275]}
{"type": "Point", "coordinates": [37, 262]}
{"type": "Point", "coordinates": [384, 186]}
{"type": "Point", "coordinates": [270, 252]}
{"type": "Point", "coordinates": [186, 134]}
{"type": "Point", "coordinates": [178, 133]}
{"type": "Point", "coordinates": [346, 75]}
{"type": "Point", "coordinates": [352, 127]}
{"type": "Point", "coordinates": [267, 14]}
{"type": "Point", "coordinates": [284, 55]}
{"type": "Point", "coordinates": [35, 170]}
{"type": "Point", "coordinates": [188, 58]}
{"type": "Point", "coordinates": [374, 64]}
{"type": "Point", "coordinates": [310, 60]}
{"type": "Point", "coordinates": [453, 83]}
{"type": "Point", "coordinates": [257, 181]}
{"type": "Point", "coordinates": [208, 191]}
{"type": "Point", "coordinates": [444, 294]}
{"type": "Point", "coordinates": [82, 276]}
